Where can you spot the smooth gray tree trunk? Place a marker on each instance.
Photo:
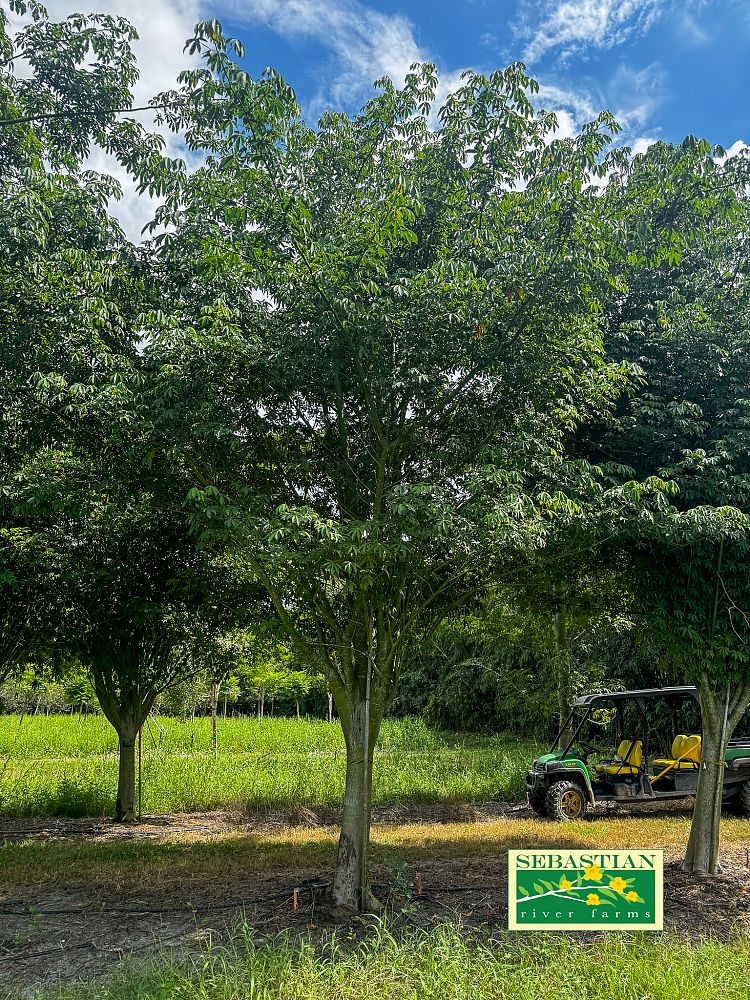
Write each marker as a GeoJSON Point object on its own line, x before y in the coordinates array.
{"type": "Point", "coordinates": [125, 802]}
{"type": "Point", "coordinates": [214, 713]}
{"type": "Point", "coordinates": [721, 711]}
{"type": "Point", "coordinates": [564, 665]}
{"type": "Point", "coordinates": [127, 715]}
{"type": "Point", "coordinates": [350, 888]}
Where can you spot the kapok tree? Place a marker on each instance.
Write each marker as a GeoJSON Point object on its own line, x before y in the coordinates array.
{"type": "Point", "coordinates": [382, 328]}
{"type": "Point", "coordinates": [683, 320]}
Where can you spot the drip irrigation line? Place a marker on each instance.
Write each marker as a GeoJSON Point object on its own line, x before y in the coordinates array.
{"type": "Point", "coordinates": [25, 956]}
{"type": "Point", "coordinates": [308, 885]}
{"type": "Point", "coordinates": [136, 910]}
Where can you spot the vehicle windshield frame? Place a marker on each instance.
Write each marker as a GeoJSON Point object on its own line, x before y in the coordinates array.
{"type": "Point", "coordinates": [585, 713]}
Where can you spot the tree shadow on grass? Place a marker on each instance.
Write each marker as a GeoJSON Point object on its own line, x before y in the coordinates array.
{"type": "Point", "coordinates": [135, 854]}
{"type": "Point", "coordinates": [65, 797]}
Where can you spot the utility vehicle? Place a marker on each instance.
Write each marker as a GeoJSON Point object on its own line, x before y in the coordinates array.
{"type": "Point", "coordinates": [632, 746]}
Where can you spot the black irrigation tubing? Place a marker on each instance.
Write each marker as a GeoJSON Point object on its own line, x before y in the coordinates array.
{"type": "Point", "coordinates": [25, 956]}
{"type": "Point", "coordinates": [136, 910]}
{"type": "Point", "coordinates": [283, 896]}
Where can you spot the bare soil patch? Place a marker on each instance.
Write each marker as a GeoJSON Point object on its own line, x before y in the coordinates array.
{"type": "Point", "coordinates": [80, 927]}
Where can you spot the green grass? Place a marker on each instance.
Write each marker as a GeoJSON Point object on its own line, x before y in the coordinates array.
{"type": "Point", "coordinates": [441, 964]}
{"type": "Point", "coordinates": [67, 766]}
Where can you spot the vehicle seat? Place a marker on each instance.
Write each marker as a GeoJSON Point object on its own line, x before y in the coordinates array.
{"type": "Point", "coordinates": [688, 748]}
{"type": "Point", "coordinates": [631, 766]}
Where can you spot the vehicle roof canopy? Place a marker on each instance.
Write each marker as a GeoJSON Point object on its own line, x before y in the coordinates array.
{"type": "Point", "coordinates": [590, 699]}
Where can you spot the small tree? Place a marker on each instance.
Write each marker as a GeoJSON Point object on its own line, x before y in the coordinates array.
{"type": "Point", "coordinates": [135, 597]}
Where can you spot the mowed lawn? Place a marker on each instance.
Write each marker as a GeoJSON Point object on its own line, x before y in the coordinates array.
{"type": "Point", "coordinates": [67, 766]}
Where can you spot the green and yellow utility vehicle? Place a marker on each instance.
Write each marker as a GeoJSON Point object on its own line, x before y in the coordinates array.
{"type": "Point", "coordinates": [632, 746]}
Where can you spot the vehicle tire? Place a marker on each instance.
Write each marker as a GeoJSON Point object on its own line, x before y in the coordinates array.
{"type": "Point", "coordinates": [565, 801]}
{"type": "Point", "coordinates": [743, 799]}
{"type": "Point", "coordinates": [537, 804]}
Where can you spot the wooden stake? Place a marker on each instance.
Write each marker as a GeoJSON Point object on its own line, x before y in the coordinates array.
{"type": "Point", "coordinates": [140, 783]}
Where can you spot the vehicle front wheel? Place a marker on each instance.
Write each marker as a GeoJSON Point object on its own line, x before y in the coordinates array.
{"type": "Point", "coordinates": [565, 801]}
{"type": "Point", "coordinates": [537, 804]}
{"type": "Point", "coordinates": [743, 799]}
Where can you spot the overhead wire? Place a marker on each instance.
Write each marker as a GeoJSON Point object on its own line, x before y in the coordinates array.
{"type": "Point", "coordinates": [51, 115]}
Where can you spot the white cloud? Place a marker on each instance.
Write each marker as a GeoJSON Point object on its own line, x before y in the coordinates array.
{"type": "Point", "coordinates": [642, 145]}
{"type": "Point", "coordinates": [579, 105]}
{"type": "Point", "coordinates": [573, 25]}
{"type": "Point", "coordinates": [738, 147]}
{"type": "Point", "coordinates": [691, 32]}
{"type": "Point", "coordinates": [365, 44]}
{"type": "Point", "coordinates": [634, 94]}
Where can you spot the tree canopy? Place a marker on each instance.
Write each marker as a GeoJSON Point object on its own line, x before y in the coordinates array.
{"type": "Point", "coordinates": [392, 325]}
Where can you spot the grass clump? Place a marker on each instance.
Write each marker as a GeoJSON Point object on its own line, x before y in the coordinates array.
{"type": "Point", "coordinates": [441, 964]}
{"type": "Point", "coordinates": [67, 766]}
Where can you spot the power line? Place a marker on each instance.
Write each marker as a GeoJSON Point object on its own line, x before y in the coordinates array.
{"type": "Point", "coordinates": [89, 114]}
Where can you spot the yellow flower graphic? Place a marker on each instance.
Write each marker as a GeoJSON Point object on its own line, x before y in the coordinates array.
{"type": "Point", "coordinates": [565, 884]}
{"type": "Point", "coordinates": [592, 899]}
{"type": "Point", "coordinates": [632, 896]}
{"type": "Point", "coordinates": [593, 873]}
{"type": "Point", "coordinates": [618, 884]}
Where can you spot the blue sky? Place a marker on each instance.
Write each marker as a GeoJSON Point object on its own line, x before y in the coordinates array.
{"type": "Point", "coordinates": [665, 68]}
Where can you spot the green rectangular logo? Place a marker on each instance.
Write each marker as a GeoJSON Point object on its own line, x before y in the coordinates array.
{"type": "Point", "coordinates": [559, 889]}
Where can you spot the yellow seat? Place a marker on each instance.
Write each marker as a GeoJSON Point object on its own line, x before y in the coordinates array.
{"type": "Point", "coordinates": [686, 754]}
{"type": "Point", "coordinates": [628, 759]}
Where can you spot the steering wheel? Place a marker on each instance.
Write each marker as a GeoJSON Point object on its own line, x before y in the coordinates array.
{"type": "Point", "coordinates": [587, 748]}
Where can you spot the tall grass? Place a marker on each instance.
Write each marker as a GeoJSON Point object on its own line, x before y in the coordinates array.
{"type": "Point", "coordinates": [63, 765]}
{"type": "Point", "coordinates": [443, 965]}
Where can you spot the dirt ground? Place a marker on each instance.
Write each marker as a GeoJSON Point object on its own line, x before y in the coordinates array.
{"type": "Point", "coordinates": [80, 928]}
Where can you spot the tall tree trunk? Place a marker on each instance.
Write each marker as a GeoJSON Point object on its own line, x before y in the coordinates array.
{"type": "Point", "coordinates": [721, 711]}
{"type": "Point", "coordinates": [330, 707]}
{"type": "Point", "coordinates": [125, 802]}
{"type": "Point", "coordinates": [214, 711]}
{"type": "Point", "coordinates": [350, 888]}
{"type": "Point", "coordinates": [564, 665]}
{"type": "Point", "coordinates": [126, 711]}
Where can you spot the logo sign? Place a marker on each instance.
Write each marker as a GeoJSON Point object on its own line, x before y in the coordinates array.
{"type": "Point", "coordinates": [589, 890]}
